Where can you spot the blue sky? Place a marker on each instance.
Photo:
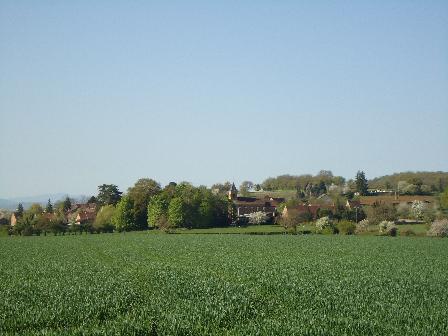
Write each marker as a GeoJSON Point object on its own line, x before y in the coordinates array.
{"type": "Point", "coordinates": [111, 91]}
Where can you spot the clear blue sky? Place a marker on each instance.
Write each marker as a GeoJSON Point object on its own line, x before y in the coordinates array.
{"type": "Point", "coordinates": [96, 92]}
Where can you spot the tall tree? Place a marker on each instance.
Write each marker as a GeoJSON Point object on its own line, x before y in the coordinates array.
{"type": "Point", "coordinates": [222, 188]}
{"type": "Point", "coordinates": [361, 183]}
{"type": "Point", "coordinates": [67, 204]}
{"type": "Point", "coordinates": [123, 218]}
{"type": "Point", "coordinates": [19, 211]}
{"type": "Point", "coordinates": [444, 199]}
{"type": "Point", "coordinates": [245, 187]}
{"type": "Point", "coordinates": [108, 194]}
{"type": "Point", "coordinates": [49, 207]}
{"type": "Point", "coordinates": [140, 195]}
{"type": "Point", "coordinates": [157, 210]}
{"type": "Point", "coordinates": [177, 212]}
{"type": "Point", "coordinates": [36, 209]}
{"type": "Point", "coordinates": [104, 218]}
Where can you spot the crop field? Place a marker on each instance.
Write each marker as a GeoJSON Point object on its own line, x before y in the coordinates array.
{"type": "Point", "coordinates": [145, 284]}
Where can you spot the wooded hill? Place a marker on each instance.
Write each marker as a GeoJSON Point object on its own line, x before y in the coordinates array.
{"type": "Point", "coordinates": [437, 181]}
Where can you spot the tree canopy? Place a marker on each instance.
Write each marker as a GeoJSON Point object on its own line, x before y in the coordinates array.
{"type": "Point", "coordinates": [108, 194]}
{"type": "Point", "coordinates": [140, 195]}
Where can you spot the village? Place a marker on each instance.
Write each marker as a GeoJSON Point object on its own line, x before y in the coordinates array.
{"type": "Point", "coordinates": [176, 206]}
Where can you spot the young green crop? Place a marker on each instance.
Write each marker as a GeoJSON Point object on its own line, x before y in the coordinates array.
{"type": "Point", "coordinates": [140, 284]}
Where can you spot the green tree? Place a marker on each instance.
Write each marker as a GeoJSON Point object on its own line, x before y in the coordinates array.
{"type": "Point", "coordinates": [361, 183]}
{"type": "Point", "coordinates": [104, 219]}
{"type": "Point", "coordinates": [25, 224]}
{"type": "Point", "coordinates": [379, 212]}
{"type": "Point", "coordinates": [35, 209]}
{"type": "Point", "coordinates": [67, 204]}
{"type": "Point", "coordinates": [42, 223]}
{"type": "Point", "coordinates": [123, 218]}
{"type": "Point", "coordinates": [49, 207]}
{"type": "Point", "coordinates": [177, 212]}
{"type": "Point", "coordinates": [108, 194]}
{"type": "Point", "coordinates": [19, 211]}
{"type": "Point", "coordinates": [205, 212]}
{"type": "Point", "coordinates": [443, 199]}
{"type": "Point", "coordinates": [57, 224]}
{"type": "Point", "coordinates": [140, 195]}
{"type": "Point", "coordinates": [245, 187]}
{"type": "Point", "coordinates": [157, 210]}
{"type": "Point", "coordinates": [222, 188]}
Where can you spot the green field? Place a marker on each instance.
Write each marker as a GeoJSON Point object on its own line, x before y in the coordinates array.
{"type": "Point", "coordinates": [146, 284]}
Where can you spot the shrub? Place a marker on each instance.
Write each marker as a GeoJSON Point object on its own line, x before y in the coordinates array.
{"type": "Point", "coordinates": [388, 228]}
{"type": "Point", "coordinates": [323, 222]}
{"type": "Point", "coordinates": [293, 219]}
{"type": "Point", "coordinates": [346, 227]}
{"type": "Point", "coordinates": [258, 217]}
{"type": "Point", "coordinates": [325, 225]}
{"type": "Point", "coordinates": [289, 224]}
{"type": "Point", "coordinates": [103, 220]}
{"type": "Point", "coordinates": [362, 226]}
{"type": "Point", "coordinates": [417, 209]}
{"type": "Point", "coordinates": [381, 212]}
{"type": "Point", "coordinates": [330, 230]}
{"type": "Point", "coordinates": [165, 225]}
{"type": "Point", "coordinates": [439, 228]}
{"type": "Point", "coordinates": [407, 232]}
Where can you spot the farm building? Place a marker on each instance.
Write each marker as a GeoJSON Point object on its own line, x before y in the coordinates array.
{"type": "Point", "coordinates": [247, 205]}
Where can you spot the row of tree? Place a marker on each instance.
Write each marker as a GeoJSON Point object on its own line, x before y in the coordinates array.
{"type": "Point", "coordinates": [146, 204]}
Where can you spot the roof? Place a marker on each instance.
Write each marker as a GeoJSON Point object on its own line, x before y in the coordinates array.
{"type": "Point", "coordinates": [311, 208]}
{"type": "Point", "coordinates": [82, 207]}
{"type": "Point", "coordinates": [86, 216]}
{"type": "Point", "coordinates": [354, 204]}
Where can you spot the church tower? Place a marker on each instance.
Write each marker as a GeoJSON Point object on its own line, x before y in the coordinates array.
{"type": "Point", "coordinates": [232, 194]}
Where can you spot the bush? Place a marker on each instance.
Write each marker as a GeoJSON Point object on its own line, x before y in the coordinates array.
{"type": "Point", "coordinates": [381, 212]}
{"type": "Point", "coordinates": [362, 226]}
{"type": "Point", "coordinates": [407, 232]}
{"type": "Point", "coordinates": [330, 230]}
{"type": "Point", "coordinates": [439, 228]}
{"type": "Point", "coordinates": [388, 228]}
{"type": "Point", "coordinates": [323, 222]}
{"type": "Point", "coordinates": [346, 227]}
{"type": "Point", "coordinates": [325, 225]}
{"type": "Point", "coordinates": [258, 217]}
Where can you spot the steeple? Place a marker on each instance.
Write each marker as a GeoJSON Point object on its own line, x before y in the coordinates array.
{"type": "Point", "coordinates": [232, 193]}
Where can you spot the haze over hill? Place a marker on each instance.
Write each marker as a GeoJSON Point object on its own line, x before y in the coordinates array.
{"type": "Point", "coordinates": [11, 203]}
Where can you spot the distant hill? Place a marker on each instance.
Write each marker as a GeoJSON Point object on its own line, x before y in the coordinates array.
{"type": "Point", "coordinates": [11, 203]}
{"type": "Point", "coordinates": [438, 181]}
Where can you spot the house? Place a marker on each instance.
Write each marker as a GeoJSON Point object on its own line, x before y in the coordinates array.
{"type": "Point", "coordinates": [14, 218]}
{"type": "Point", "coordinates": [353, 204]}
{"type": "Point", "coordinates": [81, 213]}
{"type": "Point", "coordinates": [324, 198]}
{"type": "Point", "coordinates": [85, 217]}
{"type": "Point", "coordinates": [248, 205]}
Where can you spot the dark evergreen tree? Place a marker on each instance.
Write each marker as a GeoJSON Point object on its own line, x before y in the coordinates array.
{"type": "Point", "coordinates": [361, 183]}
{"type": "Point", "coordinates": [49, 207]}
{"type": "Point", "coordinates": [108, 194]}
{"type": "Point", "coordinates": [67, 204]}
{"type": "Point", "coordinates": [19, 211]}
